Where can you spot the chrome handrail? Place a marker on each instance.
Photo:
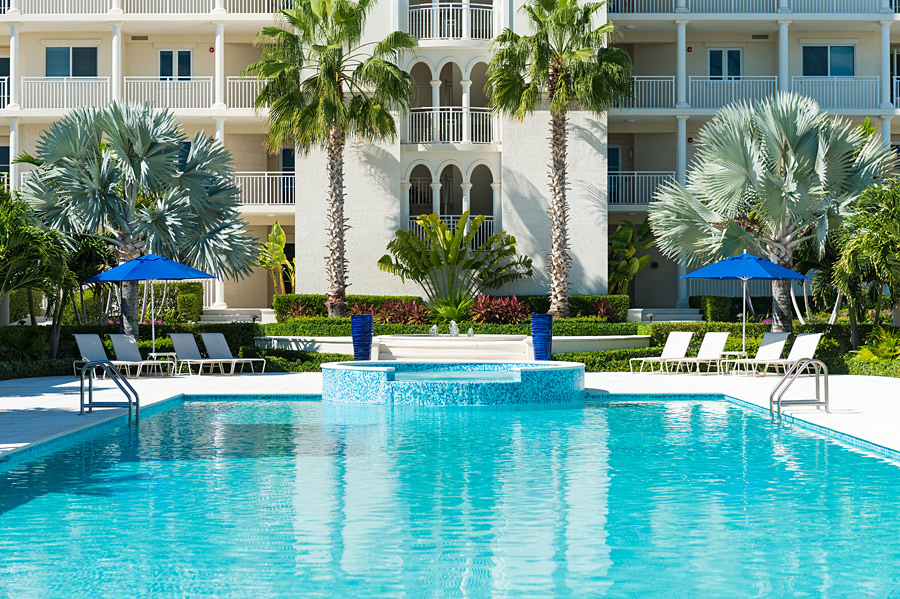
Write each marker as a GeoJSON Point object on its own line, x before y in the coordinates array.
{"type": "Point", "coordinates": [798, 367]}
{"type": "Point", "coordinates": [124, 386]}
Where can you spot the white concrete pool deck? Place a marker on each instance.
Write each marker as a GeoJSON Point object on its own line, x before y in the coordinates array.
{"type": "Point", "coordinates": [39, 409]}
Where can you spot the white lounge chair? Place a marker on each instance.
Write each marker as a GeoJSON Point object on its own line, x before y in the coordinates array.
{"type": "Point", "coordinates": [217, 349]}
{"type": "Point", "coordinates": [126, 349]}
{"type": "Point", "coordinates": [770, 349]}
{"type": "Point", "coordinates": [675, 348]}
{"type": "Point", "coordinates": [188, 355]}
{"type": "Point", "coordinates": [805, 346]}
{"type": "Point", "coordinates": [91, 349]}
{"type": "Point", "coordinates": [710, 354]}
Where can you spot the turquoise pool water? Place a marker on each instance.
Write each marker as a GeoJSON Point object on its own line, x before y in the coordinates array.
{"type": "Point", "coordinates": [664, 499]}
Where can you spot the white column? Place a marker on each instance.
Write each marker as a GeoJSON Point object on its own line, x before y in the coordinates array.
{"type": "Point", "coordinates": [436, 198]}
{"type": "Point", "coordinates": [220, 130]}
{"type": "Point", "coordinates": [681, 6]}
{"type": "Point", "coordinates": [117, 62]}
{"type": "Point", "coordinates": [435, 110]}
{"type": "Point", "coordinates": [681, 177]}
{"type": "Point", "coordinates": [435, 11]}
{"type": "Point", "coordinates": [219, 8]}
{"type": "Point", "coordinates": [784, 5]}
{"type": "Point", "coordinates": [13, 8]}
{"type": "Point", "coordinates": [886, 64]}
{"type": "Point", "coordinates": [784, 63]}
{"type": "Point", "coordinates": [116, 8]}
{"type": "Point", "coordinates": [885, 6]}
{"type": "Point", "coordinates": [220, 303]}
{"type": "Point", "coordinates": [13, 153]}
{"type": "Point", "coordinates": [466, 85]}
{"type": "Point", "coordinates": [220, 67]}
{"type": "Point", "coordinates": [405, 187]}
{"type": "Point", "coordinates": [681, 65]}
{"type": "Point", "coordinates": [466, 19]}
{"type": "Point", "coordinates": [466, 196]}
{"type": "Point", "coordinates": [13, 67]}
{"type": "Point", "coordinates": [886, 130]}
{"type": "Point", "coordinates": [497, 204]}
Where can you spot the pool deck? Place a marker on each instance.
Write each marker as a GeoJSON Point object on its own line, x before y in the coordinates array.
{"type": "Point", "coordinates": [40, 409]}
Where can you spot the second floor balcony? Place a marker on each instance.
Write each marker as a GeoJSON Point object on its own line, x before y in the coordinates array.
{"type": "Point", "coordinates": [781, 7]}
{"type": "Point", "coordinates": [266, 189]}
{"type": "Point", "coordinates": [709, 92]}
{"type": "Point", "coordinates": [451, 21]}
{"type": "Point", "coordinates": [628, 189]}
{"type": "Point", "coordinates": [64, 92]}
{"type": "Point", "coordinates": [182, 92]}
{"type": "Point", "coordinates": [139, 7]}
{"type": "Point", "coordinates": [450, 125]}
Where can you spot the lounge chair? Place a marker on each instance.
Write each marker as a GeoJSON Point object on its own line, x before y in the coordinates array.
{"type": "Point", "coordinates": [126, 349]}
{"type": "Point", "coordinates": [217, 349]}
{"type": "Point", "coordinates": [675, 348]}
{"type": "Point", "coordinates": [91, 349]}
{"type": "Point", "coordinates": [710, 354]}
{"type": "Point", "coordinates": [188, 355]}
{"type": "Point", "coordinates": [770, 349]}
{"type": "Point", "coordinates": [804, 347]}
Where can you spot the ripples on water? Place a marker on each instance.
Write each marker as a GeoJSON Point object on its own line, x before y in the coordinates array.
{"type": "Point", "coordinates": [304, 499]}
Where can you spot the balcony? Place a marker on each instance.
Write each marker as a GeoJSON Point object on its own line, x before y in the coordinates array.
{"type": "Point", "coordinates": [839, 92]}
{"type": "Point", "coordinates": [635, 188]}
{"type": "Point", "coordinates": [751, 7]}
{"type": "Point", "coordinates": [266, 189]}
{"type": "Point", "coordinates": [451, 220]}
{"type": "Point", "coordinates": [142, 7]}
{"type": "Point", "coordinates": [450, 124]}
{"type": "Point", "coordinates": [241, 92]}
{"type": "Point", "coordinates": [651, 92]}
{"type": "Point", "coordinates": [64, 92]}
{"type": "Point", "coordinates": [451, 21]}
{"type": "Point", "coordinates": [715, 93]}
{"type": "Point", "coordinates": [184, 92]}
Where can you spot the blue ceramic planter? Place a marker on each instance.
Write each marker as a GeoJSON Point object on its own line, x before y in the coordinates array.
{"type": "Point", "coordinates": [362, 326]}
{"type": "Point", "coordinates": [542, 335]}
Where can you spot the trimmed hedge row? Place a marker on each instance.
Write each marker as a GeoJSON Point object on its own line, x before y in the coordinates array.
{"type": "Point", "coordinates": [285, 360]}
{"type": "Point", "coordinates": [24, 370]}
{"type": "Point", "coordinates": [889, 368]}
{"type": "Point", "coordinates": [717, 308]}
{"type": "Point", "coordinates": [612, 360]}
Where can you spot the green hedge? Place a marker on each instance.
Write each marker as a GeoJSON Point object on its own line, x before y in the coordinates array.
{"type": "Point", "coordinates": [340, 327]}
{"type": "Point", "coordinates": [889, 368]}
{"type": "Point", "coordinates": [315, 304]}
{"type": "Point", "coordinates": [24, 370]}
{"type": "Point", "coordinates": [613, 360]}
{"type": "Point", "coordinates": [717, 308]}
{"type": "Point", "coordinates": [580, 305]}
{"type": "Point", "coordinates": [286, 360]}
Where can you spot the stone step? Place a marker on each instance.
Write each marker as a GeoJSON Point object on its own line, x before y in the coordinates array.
{"type": "Point", "coordinates": [664, 315]}
{"type": "Point", "coordinates": [261, 315]}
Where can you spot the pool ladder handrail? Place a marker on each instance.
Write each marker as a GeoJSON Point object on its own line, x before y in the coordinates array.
{"type": "Point", "coordinates": [798, 368]}
{"type": "Point", "coordinates": [133, 400]}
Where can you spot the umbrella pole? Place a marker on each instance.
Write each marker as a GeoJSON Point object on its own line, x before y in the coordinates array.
{"type": "Point", "coordinates": [152, 319]}
{"type": "Point", "coordinates": [744, 314]}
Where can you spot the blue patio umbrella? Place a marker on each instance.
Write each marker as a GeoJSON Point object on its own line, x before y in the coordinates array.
{"type": "Point", "coordinates": [150, 268]}
{"type": "Point", "coordinates": [744, 268]}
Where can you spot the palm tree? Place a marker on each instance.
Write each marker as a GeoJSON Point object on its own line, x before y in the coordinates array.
{"type": "Point", "coordinates": [566, 63]}
{"type": "Point", "coordinates": [123, 174]}
{"type": "Point", "coordinates": [322, 86]}
{"type": "Point", "coordinates": [768, 178]}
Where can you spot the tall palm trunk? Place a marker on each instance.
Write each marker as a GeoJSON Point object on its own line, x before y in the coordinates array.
{"type": "Point", "coordinates": [782, 311]}
{"type": "Point", "coordinates": [336, 260]}
{"type": "Point", "coordinates": [559, 260]}
{"type": "Point", "coordinates": [130, 324]}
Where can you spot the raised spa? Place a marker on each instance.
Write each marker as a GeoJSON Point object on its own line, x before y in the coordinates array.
{"type": "Point", "coordinates": [455, 383]}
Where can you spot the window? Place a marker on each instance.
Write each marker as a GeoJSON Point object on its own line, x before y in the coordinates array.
{"type": "Point", "coordinates": [4, 161]}
{"type": "Point", "coordinates": [65, 61]}
{"type": "Point", "coordinates": [725, 63]}
{"type": "Point", "coordinates": [175, 64]}
{"type": "Point", "coordinates": [828, 61]}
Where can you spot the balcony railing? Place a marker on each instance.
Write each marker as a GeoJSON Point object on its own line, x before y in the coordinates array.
{"type": "Point", "coordinates": [635, 187]}
{"type": "Point", "coordinates": [715, 93]}
{"type": "Point", "coordinates": [63, 7]}
{"type": "Point", "coordinates": [651, 92]}
{"type": "Point", "coordinates": [839, 92]}
{"type": "Point", "coordinates": [241, 92]}
{"type": "Point", "coordinates": [451, 20]}
{"type": "Point", "coordinates": [748, 6]}
{"type": "Point", "coordinates": [159, 7]}
{"type": "Point", "coordinates": [64, 92]}
{"type": "Point", "coordinates": [449, 124]}
{"type": "Point", "coordinates": [484, 232]}
{"type": "Point", "coordinates": [168, 6]}
{"type": "Point", "coordinates": [266, 189]}
{"type": "Point", "coordinates": [186, 92]}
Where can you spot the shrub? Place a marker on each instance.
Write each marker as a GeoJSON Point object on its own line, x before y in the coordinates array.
{"type": "Point", "coordinates": [285, 360]}
{"type": "Point", "coordinates": [712, 308]}
{"type": "Point", "coordinates": [315, 304]}
{"type": "Point", "coordinates": [499, 310]}
{"type": "Point", "coordinates": [190, 306]}
{"type": "Point", "coordinates": [613, 360]}
{"type": "Point", "coordinates": [297, 310]}
{"type": "Point", "coordinates": [22, 370]}
{"type": "Point", "coordinates": [889, 368]}
{"type": "Point", "coordinates": [402, 312]}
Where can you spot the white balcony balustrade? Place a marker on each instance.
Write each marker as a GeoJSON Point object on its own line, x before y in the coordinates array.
{"type": "Point", "coordinates": [63, 7]}
{"type": "Point", "coordinates": [749, 6]}
{"type": "Point", "coordinates": [265, 188]}
{"type": "Point", "coordinates": [451, 20]}
{"type": "Point", "coordinates": [641, 6]}
{"type": "Point", "coordinates": [449, 124]}
{"type": "Point", "coordinates": [256, 7]}
{"type": "Point", "coordinates": [183, 92]}
{"type": "Point", "coordinates": [837, 6]}
{"type": "Point", "coordinates": [241, 92]}
{"type": "Point", "coordinates": [651, 92]}
{"type": "Point", "coordinates": [706, 92]}
{"type": "Point", "coordinates": [64, 92]}
{"type": "Point", "coordinates": [839, 92]}
{"type": "Point", "coordinates": [635, 187]}
{"type": "Point", "coordinates": [452, 220]}
{"type": "Point", "coordinates": [169, 7]}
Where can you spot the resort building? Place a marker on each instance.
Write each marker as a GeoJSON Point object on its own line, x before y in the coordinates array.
{"type": "Point", "coordinates": [691, 57]}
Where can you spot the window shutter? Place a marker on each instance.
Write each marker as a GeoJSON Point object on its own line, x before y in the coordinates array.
{"type": "Point", "coordinates": [184, 64]}
{"type": "Point", "coordinates": [165, 64]}
{"type": "Point", "coordinates": [57, 61]}
{"type": "Point", "coordinates": [84, 62]}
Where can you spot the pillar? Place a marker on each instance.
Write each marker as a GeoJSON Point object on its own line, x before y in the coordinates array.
{"type": "Point", "coordinates": [220, 130]}
{"type": "Point", "coordinates": [784, 5]}
{"type": "Point", "coordinates": [436, 198]}
{"type": "Point", "coordinates": [681, 65]}
{"type": "Point", "coordinates": [466, 20]}
{"type": "Point", "coordinates": [497, 207]}
{"type": "Point", "coordinates": [886, 101]}
{"type": "Point", "coordinates": [116, 7]}
{"type": "Point", "coordinates": [886, 130]}
{"type": "Point", "coordinates": [116, 62]}
{"type": "Point", "coordinates": [435, 110]}
{"type": "Point", "coordinates": [13, 153]}
{"type": "Point", "coordinates": [885, 6]}
{"type": "Point", "coordinates": [466, 196]}
{"type": "Point", "coordinates": [13, 90]}
{"type": "Point", "coordinates": [13, 8]}
{"type": "Point", "coordinates": [681, 177]}
{"type": "Point", "coordinates": [784, 63]}
{"type": "Point", "coordinates": [220, 303]}
{"type": "Point", "coordinates": [219, 7]}
{"type": "Point", "coordinates": [220, 67]}
{"type": "Point", "coordinates": [466, 85]}
{"type": "Point", "coordinates": [681, 6]}
{"type": "Point", "coordinates": [405, 187]}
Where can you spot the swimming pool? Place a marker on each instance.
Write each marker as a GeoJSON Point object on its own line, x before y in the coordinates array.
{"type": "Point", "coordinates": [302, 498]}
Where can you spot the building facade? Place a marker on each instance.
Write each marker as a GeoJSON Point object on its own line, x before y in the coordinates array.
{"type": "Point", "coordinates": [691, 57]}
